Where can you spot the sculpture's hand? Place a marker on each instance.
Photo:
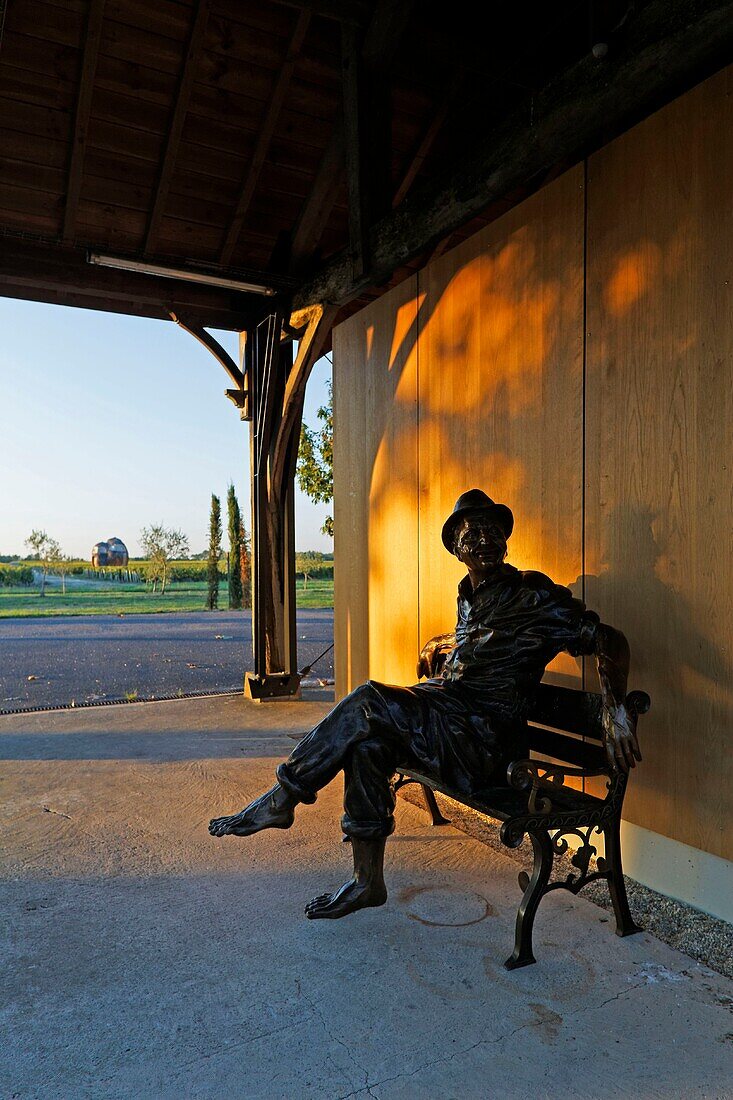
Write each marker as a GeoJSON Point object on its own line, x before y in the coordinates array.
{"type": "Point", "coordinates": [432, 655]}
{"type": "Point", "coordinates": [619, 727]}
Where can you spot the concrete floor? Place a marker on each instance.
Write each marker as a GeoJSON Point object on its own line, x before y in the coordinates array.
{"type": "Point", "coordinates": [142, 958]}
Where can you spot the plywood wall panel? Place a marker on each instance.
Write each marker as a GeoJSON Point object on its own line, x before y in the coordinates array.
{"type": "Point", "coordinates": [659, 525]}
{"type": "Point", "coordinates": [500, 392]}
{"type": "Point", "coordinates": [620, 476]}
{"type": "Point", "coordinates": [375, 470]}
{"type": "Point", "coordinates": [351, 509]}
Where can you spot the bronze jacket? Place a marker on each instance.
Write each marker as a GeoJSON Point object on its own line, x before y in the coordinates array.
{"type": "Point", "coordinates": [509, 630]}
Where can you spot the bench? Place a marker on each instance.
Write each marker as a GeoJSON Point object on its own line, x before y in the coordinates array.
{"type": "Point", "coordinates": [566, 740]}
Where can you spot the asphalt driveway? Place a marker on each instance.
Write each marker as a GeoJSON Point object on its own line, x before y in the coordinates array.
{"type": "Point", "coordinates": [81, 659]}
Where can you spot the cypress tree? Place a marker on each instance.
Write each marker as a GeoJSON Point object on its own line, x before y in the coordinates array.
{"type": "Point", "coordinates": [235, 549]}
{"type": "Point", "coordinates": [212, 572]}
{"type": "Point", "coordinates": [246, 566]}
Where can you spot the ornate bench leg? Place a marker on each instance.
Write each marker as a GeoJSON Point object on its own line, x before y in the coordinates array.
{"type": "Point", "coordinates": [533, 890]}
{"type": "Point", "coordinates": [432, 805]}
{"type": "Point", "coordinates": [625, 923]}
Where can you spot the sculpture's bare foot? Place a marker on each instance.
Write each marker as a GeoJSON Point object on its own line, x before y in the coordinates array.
{"type": "Point", "coordinates": [348, 898]}
{"type": "Point", "coordinates": [272, 810]}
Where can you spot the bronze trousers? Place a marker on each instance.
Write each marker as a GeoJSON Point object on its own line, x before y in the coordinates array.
{"type": "Point", "coordinates": [439, 728]}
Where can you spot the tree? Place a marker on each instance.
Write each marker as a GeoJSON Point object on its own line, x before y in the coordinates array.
{"type": "Point", "coordinates": [212, 571]}
{"type": "Point", "coordinates": [245, 566]}
{"type": "Point", "coordinates": [234, 517]}
{"type": "Point", "coordinates": [315, 460]}
{"type": "Point", "coordinates": [153, 568]}
{"type": "Point", "coordinates": [161, 545]}
{"type": "Point", "coordinates": [307, 562]}
{"type": "Point", "coordinates": [56, 560]}
{"type": "Point", "coordinates": [39, 542]}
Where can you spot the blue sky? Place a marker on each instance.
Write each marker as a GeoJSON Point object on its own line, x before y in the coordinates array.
{"type": "Point", "coordinates": [110, 423]}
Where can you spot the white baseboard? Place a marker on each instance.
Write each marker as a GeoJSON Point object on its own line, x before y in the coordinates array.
{"type": "Point", "coordinates": [676, 869]}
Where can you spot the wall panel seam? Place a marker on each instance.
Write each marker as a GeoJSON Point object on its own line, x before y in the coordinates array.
{"type": "Point", "coordinates": [418, 335]}
{"type": "Point", "coordinates": [583, 411]}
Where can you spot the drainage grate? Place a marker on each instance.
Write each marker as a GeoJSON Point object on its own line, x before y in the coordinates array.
{"type": "Point", "coordinates": [119, 702]}
{"type": "Point", "coordinates": [145, 699]}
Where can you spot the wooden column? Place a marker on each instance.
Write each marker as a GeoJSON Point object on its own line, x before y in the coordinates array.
{"type": "Point", "coordinates": [269, 388]}
{"type": "Point", "coordinates": [277, 390]}
{"type": "Point", "coordinates": [273, 544]}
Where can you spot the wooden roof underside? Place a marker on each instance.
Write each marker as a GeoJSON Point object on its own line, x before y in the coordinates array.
{"type": "Point", "coordinates": [325, 147]}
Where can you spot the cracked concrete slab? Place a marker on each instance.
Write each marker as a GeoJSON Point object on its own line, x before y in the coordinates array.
{"type": "Point", "coordinates": [143, 958]}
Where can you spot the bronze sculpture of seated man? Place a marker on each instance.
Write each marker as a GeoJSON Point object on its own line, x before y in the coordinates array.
{"type": "Point", "coordinates": [465, 723]}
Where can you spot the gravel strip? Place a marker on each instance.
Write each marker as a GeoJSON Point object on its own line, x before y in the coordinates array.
{"type": "Point", "coordinates": [706, 939]}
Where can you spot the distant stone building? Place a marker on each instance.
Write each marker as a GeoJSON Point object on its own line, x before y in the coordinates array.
{"type": "Point", "coordinates": [112, 552]}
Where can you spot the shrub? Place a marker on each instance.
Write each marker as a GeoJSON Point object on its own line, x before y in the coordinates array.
{"type": "Point", "coordinates": [192, 571]}
{"type": "Point", "coordinates": [15, 575]}
{"type": "Point", "coordinates": [320, 572]}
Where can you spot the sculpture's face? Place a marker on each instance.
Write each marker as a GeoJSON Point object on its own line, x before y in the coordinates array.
{"type": "Point", "coordinates": [480, 543]}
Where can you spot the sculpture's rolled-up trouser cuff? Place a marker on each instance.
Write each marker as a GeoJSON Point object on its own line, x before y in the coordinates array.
{"type": "Point", "coordinates": [286, 779]}
{"type": "Point", "coordinates": [368, 830]}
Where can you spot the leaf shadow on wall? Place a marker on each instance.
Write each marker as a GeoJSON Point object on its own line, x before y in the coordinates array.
{"type": "Point", "coordinates": [673, 657]}
{"type": "Point", "coordinates": [465, 404]}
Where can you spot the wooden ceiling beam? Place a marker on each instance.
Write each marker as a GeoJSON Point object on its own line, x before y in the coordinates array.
{"type": "Point", "coordinates": [126, 307]}
{"type": "Point", "coordinates": [81, 119]}
{"type": "Point", "coordinates": [264, 139]}
{"type": "Point", "coordinates": [183, 95]}
{"type": "Point", "coordinates": [665, 48]}
{"type": "Point", "coordinates": [43, 271]}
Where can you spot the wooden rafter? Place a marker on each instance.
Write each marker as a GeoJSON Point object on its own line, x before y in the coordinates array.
{"type": "Point", "coordinates": [384, 33]}
{"type": "Point", "coordinates": [265, 137]}
{"type": "Point", "coordinates": [317, 207]}
{"type": "Point", "coordinates": [670, 45]}
{"type": "Point", "coordinates": [357, 12]}
{"type": "Point", "coordinates": [427, 140]}
{"type": "Point", "coordinates": [380, 44]}
{"type": "Point", "coordinates": [183, 95]}
{"type": "Point", "coordinates": [3, 10]}
{"type": "Point", "coordinates": [353, 140]}
{"type": "Point", "coordinates": [81, 120]}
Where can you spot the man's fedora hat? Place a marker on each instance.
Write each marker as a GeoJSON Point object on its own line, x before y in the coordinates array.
{"type": "Point", "coordinates": [476, 500]}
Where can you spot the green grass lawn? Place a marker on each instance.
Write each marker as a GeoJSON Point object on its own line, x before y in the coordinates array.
{"type": "Point", "coordinates": [318, 594]}
{"type": "Point", "coordinates": [133, 599]}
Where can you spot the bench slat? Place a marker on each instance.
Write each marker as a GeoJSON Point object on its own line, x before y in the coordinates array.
{"type": "Point", "coordinates": [567, 709]}
{"type": "Point", "coordinates": [503, 803]}
{"type": "Point", "coordinates": [583, 754]}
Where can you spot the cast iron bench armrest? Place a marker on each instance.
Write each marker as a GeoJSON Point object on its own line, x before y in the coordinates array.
{"type": "Point", "coordinates": [638, 702]}
{"type": "Point", "coordinates": [533, 775]}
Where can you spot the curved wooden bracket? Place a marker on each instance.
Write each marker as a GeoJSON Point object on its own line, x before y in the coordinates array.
{"type": "Point", "coordinates": [213, 346]}
{"type": "Point", "coordinates": [312, 324]}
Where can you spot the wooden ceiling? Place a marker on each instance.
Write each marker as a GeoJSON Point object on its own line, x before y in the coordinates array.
{"type": "Point", "coordinates": [323, 147]}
